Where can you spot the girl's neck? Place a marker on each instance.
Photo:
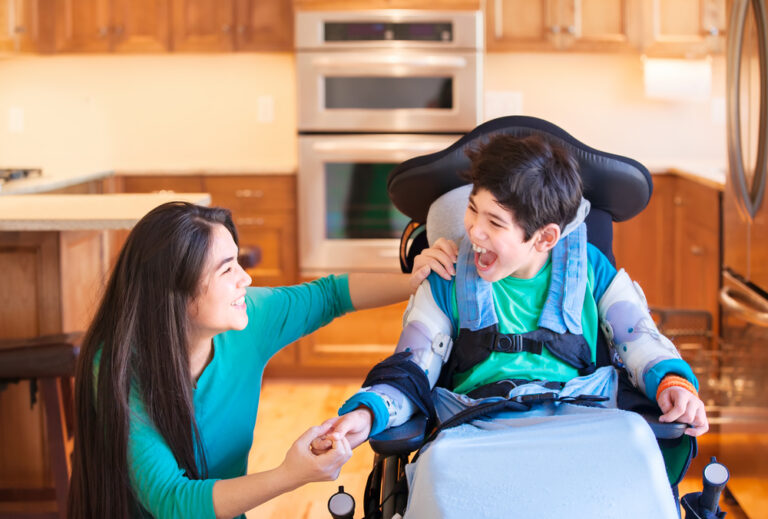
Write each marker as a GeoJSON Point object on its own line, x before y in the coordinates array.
{"type": "Point", "coordinates": [200, 354]}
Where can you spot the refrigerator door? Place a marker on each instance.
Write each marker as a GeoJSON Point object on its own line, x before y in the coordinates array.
{"type": "Point", "coordinates": [747, 97]}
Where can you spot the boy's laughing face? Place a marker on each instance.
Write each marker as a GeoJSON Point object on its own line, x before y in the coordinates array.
{"type": "Point", "coordinates": [499, 242]}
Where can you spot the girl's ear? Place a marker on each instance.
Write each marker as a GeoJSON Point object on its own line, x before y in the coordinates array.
{"type": "Point", "coordinates": [547, 237]}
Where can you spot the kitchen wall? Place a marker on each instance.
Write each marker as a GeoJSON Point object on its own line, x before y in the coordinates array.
{"type": "Point", "coordinates": [145, 113]}
{"type": "Point", "coordinates": [195, 112]}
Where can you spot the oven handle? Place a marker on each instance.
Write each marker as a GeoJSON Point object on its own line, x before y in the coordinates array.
{"type": "Point", "coordinates": [366, 61]}
{"type": "Point", "coordinates": [349, 147]}
{"type": "Point", "coordinates": [746, 305]}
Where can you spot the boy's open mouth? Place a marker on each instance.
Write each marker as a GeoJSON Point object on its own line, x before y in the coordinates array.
{"type": "Point", "coordinates": [483, 257]}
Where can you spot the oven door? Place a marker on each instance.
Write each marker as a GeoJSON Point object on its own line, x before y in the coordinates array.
{"type": "Point", "coordinates": [346, 221]}
{"type": "Point", "coordinates": [403, 90]}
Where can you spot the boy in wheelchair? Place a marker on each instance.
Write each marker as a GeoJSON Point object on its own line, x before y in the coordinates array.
{"type": "Point", "coordinates": [522, 317]}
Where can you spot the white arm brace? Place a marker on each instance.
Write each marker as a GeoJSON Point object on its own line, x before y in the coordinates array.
{"type": "Point", "coordinates": [427, 335]}
{"type": "Point", "coordinates": [630, 330]}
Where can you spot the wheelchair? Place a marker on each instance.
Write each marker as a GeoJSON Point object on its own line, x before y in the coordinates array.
{"type": "Point", "coordinates": [430, 191]}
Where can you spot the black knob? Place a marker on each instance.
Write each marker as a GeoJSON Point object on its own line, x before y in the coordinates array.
{"type": "Point", "coordinates": [341, 505]}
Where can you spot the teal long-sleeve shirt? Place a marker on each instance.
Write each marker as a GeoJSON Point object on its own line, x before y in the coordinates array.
{"type": "Point", "coordinates": [227, 398]}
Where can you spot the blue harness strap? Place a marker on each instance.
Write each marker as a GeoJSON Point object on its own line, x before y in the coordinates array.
{"type": "Point", "coordinates": [559, 324]}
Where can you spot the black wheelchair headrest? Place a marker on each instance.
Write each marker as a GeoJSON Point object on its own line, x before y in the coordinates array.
{"type": "Point", "coordinates": [617, 185]}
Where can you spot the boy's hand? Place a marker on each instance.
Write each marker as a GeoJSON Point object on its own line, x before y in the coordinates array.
{"type": "Point", "coordinates": [680, 405]}
{"type": "Point", "coordinates": [440, 258]}
{"type": "Point", "coordinates": [354, 427]}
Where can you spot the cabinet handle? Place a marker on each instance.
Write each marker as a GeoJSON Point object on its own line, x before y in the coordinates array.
{"type": "Point", "coordinates": [103, 31]}
{"type": "Point", "coordinates": [164, 191]}
{"type": "Point", "coordinates": [19, 29]}
{"type": "Point", "coordinates": [697, 250]}
{"type": "Point", "coordinates": [226, 28]}
{"type": "Point", "coordinates": [571, 29]}
{"type": "Point", "coordinates": [555, 29]}
{"type": "Point", "coordinates": [241, 29]}
{"type": "Point", "coordinates": [249, 193]}
{"type": "Point", "coordinates": [677, 200]}
{"type": "Point", "coordinates": [119, 30]}
{"type": "Point", "coordinates": [713, 31]}
{"type": "Point", "coordinates": [250, 221]}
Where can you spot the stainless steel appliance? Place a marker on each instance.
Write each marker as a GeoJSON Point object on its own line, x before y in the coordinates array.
{"type": "Point", "coordinates": [743, 377]}
{"type": "Point", "coordinates": [375, 88]}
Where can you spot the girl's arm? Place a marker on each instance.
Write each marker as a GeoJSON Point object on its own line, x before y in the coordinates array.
{"type": "Point", "coordinates": [232, 497]}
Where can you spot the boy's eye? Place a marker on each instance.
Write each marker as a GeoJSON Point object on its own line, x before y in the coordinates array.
{"type": "Point", "coordinates": [496, 224]}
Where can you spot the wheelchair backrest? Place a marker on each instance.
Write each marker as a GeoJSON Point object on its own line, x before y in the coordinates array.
{"type": "Point", "coordinates": [617, 187]}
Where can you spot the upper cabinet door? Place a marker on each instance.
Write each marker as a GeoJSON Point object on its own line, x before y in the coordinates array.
{"type": "Point", "coordinates": [24, 27]}
{"type": "Point", "coordinates": [82, 26]}
{"type": "Point", "coordinates": [203, 25]}
{"type": "Point", "coordinates": [141, 25]}
{"type": "Point", "coordinates": [522, 25]}
{"type": "Point", "coordinates": [264, 26]}
{"type": "Point", "coordinates": [594, 25]}
{"type": "Point", "coordinates": [684, 27]}
{"type": "Point", "coordinates": [599, 25]}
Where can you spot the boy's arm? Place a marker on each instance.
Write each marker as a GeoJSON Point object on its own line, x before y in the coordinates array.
{"type": "Point", "coordinates": [653, 363]}
{"type": "Point", "coordinates": [424, 342]}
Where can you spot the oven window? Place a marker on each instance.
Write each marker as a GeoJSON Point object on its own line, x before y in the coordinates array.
{"type": "Point", "coordinates": [356, 202]}
{"type": "Point", "coordinates": [386, 93]}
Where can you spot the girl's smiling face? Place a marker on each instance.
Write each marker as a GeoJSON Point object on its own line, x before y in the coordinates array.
{"type": "Point", "coordinates": [499, 241]}
{"type": "Point", "coordinates": [220, 302]}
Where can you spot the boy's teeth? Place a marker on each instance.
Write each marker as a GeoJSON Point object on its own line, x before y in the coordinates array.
{"type": "Point", "coordinates": [479, 249]}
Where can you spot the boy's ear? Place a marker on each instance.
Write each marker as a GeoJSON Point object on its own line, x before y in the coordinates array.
{"type": "Point", "coordinates": [547, 237]}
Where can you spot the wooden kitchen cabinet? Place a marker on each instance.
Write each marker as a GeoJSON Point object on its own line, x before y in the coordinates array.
{"type": "Point", "coordinates": [111, 25]}
{"type": "Point", "coordinates": [586, 25]}
{"type": "Point", "coordinates": [673, 248]}
{"type": "Point", "coordinates": [26, 26]}
{"type": "Point", "coordinates": [683, 28]}
{"type": "Point", "coordinates": [340, 5]}
{"type": "Point", "coordinates": [50, 282]}
{"type": "Point", "coordinates": [227, 25]}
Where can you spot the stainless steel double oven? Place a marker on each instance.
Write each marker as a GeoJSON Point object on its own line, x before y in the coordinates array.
{"type": "Point", "coordinates": [375, 88]}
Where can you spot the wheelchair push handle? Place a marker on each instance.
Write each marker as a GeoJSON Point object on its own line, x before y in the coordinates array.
{"type": "Point", "coordinates": [341, 505]}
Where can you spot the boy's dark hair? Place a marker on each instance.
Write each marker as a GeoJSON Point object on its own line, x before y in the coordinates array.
{"type": "Point", "coordinates": [532, 177]}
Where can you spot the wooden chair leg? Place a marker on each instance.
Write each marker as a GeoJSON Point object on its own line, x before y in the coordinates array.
{"type": "Point", "coordinates": [58, 440]}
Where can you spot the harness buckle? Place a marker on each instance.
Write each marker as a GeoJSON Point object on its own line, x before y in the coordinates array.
{"type": "Point", "coordinates": [509, 343]}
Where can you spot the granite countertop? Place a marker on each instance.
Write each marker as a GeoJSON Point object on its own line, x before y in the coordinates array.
{"type": "Point", "coordinates": [709, 173]}
{"type": "Point", "coordinates": [83, 212]}
{"type": "Point", "coordinates": [50, 182]}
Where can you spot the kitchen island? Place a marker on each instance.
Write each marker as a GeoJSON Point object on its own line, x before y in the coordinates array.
{"type": "Point", "coordinates": [55, 255]}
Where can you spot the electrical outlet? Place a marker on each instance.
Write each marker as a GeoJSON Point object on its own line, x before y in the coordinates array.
{"type": "Point", "coordinates": [16, 119]}
{"type": "Point", "coordinates": [265, 109]}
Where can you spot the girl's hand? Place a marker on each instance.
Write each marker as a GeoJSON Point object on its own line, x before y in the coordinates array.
{"type": "Point", "coordinates": [440, 258]}
{"type": "Point", "coordinates": [305, 466]}
{"type": "Point", "coordinates": [680, 405]}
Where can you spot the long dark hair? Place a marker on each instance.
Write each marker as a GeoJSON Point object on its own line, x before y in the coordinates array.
{"type": "Point", "coordinates": [140, 330]}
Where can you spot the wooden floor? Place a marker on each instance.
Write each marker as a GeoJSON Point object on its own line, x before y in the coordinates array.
{"type": "Point", "coordinates": [288, 408]}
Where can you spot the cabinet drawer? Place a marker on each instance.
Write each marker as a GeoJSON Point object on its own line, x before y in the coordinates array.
{"type": "Point", "coordinates": [253, 194]}
{"type": "Point", "coordinates": [153, 183]}
{"type": "Point", "coordinates": [275, 236]}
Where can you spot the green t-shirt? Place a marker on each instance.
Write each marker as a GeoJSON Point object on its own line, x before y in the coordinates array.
{"type": "Point", "coordinates": [227, 398]}
{"type": "Point", "coordinates": [518, 304]}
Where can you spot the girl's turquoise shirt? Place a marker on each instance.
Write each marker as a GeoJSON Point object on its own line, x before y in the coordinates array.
{"type": "Point", "coordinates": [226, 399]}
